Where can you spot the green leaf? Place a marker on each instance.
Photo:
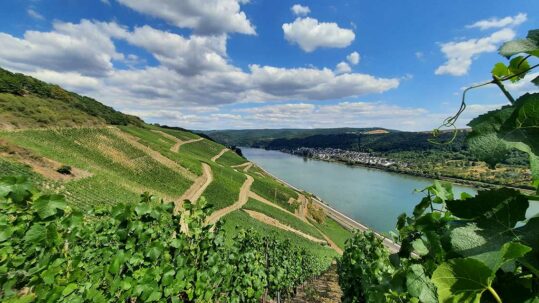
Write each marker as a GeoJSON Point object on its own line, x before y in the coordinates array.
{"type": "Point", "coordinates": [495, 209]}
{"type": "Point", "coordinates": [70, 288]}
{"type": "Point", "coordinates": [489, 148]}
{"type": "Point", "coordinates": [465, 280]}
{"type": "Point", "coordinates": [530, 45]}
{"type": "Point", "coordinates": [419, 285]}
{"type": "Point", "coordinates": [419, 247]}
{"type": "Point", "coordinates": [500, 70]}
{"type": "Point", "coordinates": [36, 234]}
{"type": "Point", "coordinates": [518, 65]}
{"type": "Point", "coordinates": [49, 205]}
{"type": "Point", "coordinates": [461, 280]}
{"type": "Point", "coordinates": [536, 81]}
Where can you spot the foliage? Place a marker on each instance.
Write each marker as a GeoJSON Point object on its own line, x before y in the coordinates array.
{"type": "Point", "coordinates": [64, 170]}
{"type": "Point", "coordinates": [50, 252]}
{"type": "Point", "coordinates": [464, 249]}
{"type": "Point", "coordinates": [23, 86]}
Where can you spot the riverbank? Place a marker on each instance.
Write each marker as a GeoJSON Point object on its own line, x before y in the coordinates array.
{"type": "Point", "coordinates": [341, 218]}
{"type": "Point", "coordinates": [459, 181]}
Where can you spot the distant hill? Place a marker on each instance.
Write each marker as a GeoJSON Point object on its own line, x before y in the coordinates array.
{"type": "Point", "coordinates": [26, 102]}
{"type": "Point", "coordinates": [252, 137]}
{"type": "Point", "coordinates": [370, 142]}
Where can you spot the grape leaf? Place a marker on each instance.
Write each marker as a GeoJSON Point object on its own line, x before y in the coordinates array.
{"type": "Point", "coordinates": [419, 285]}
{"type": "Point", "coordinates": [465, 279]}
{"type": "Point", "coordinates": [518, 66]}
{"type": "Point", "coordinates": [488, 148]}
{"type": "Point", "coordinates": [494, 209]}
{"type": "Point", "coordinates": [536, 81]}
{"type": "Point", "coordinates": [530, 45]}
{"type": "Point", "coordinates": [500, 70]}
{"type": "Point", "coordinates": [49, 205]}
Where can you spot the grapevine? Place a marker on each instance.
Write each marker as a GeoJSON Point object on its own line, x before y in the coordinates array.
{"type": "Point", "coordinates": [462, 248]}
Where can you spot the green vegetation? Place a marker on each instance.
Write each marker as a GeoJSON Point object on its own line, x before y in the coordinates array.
{"type": "Point", "coordinates": [235, 221]}
{"type": "Point", "coordinates": [136, 252]}
{"type": "Point", "coordinates": [283, 217]}
{"type": "Point", "coordinates": [334, 231]}
{"type": "Point", "coordinates": [225, 188]}
{"type": "Point", "coordinates": [272, 189]}
{"type": "Point", "coordinates": [230, 158]}
{"type": "Point", "coordinates": [259, 137]}
{"type": "Point", "coordinates": [28, 102]}
{"type": "Point", "coordinates": [120, 170]}
{"type": "Point", "coordinates": [463, 249]}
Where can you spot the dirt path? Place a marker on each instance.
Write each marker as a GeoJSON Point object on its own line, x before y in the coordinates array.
{"type": "Point", "coordinates": [154, 154]}
{"type": "Point", "coordinates": [323, 289]}
{"type": "Point", "coordinates": [176, 147]}
{"type": "Point", "coordinates": [219, 154]}
{"type": "Point", "coordinates": [276, 223]}
{"type": "Point", "coordinates": [246, 166]}
{"type": "Point", "coordinates": [197, 189]}
{"type": "Point", "coordinates": [242, 199]}
{"type": "Point", "coordinates": [266, 201]}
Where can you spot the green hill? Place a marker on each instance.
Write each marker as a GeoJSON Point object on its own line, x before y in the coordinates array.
{"type": "Point", "coordinates": [113, 158]}
{"type": "Point", "coordinates": [27, 102]}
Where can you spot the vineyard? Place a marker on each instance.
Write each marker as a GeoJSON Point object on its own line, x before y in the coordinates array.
{"type": "Point", "coordinates": [464, 249]}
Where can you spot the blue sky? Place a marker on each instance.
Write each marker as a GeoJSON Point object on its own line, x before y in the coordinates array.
{"type": "Point", "coordinates": [218, 64]}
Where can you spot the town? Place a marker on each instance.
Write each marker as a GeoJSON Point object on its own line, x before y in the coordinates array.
{"type": "Point", "coordinates": [347, 156]}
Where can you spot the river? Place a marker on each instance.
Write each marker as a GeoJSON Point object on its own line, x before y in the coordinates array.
{"type": "Point", "coordinates": [370, 196]}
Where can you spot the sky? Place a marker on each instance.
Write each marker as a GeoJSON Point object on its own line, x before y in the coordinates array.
{"type": "Point", "coordinates": [236, 64]}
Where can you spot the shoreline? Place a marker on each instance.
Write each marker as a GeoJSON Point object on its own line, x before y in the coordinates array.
{"type": "Point", "coordinates": [339, 217]}
{"type": "Point", "coordinates": [478, 185]}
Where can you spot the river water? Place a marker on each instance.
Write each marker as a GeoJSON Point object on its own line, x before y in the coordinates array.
{"type": "Point", "coordinates": [370, 196]}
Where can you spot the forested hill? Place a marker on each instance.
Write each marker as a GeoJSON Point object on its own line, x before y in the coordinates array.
{"type": "Point", "coordinates": [357, 139]}
{"type": "Point", "coordinates": [26, 102]}
{"type": "Point", "coordinates": [257, 137]}
{"type": "Point", "coordinates": [389, 142]}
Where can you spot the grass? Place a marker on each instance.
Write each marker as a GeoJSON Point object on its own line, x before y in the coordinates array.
{"type": "Point", "coordinates": [239, 219]}
{"type": "Point", "coordinates": [334, 231]}
{"type": "Point", "coordinates": [119, 170]}
{"type": "Point", "coordinates": [182, 135]}
{"type": "Point", "coordinates": [283, 217]}
{"type": "Point", "coordinates": [230, 158]}
{"type": "Point", "coordinates": [204, 150]}
{"type": "Point", "coordinates": [163, 144]}
{"type": "Point", "coordinates": [225, 188]}
{"type": "Point", "coordinates": [30, 111]}
{"type": "Point", "coordinates": [272, 189]}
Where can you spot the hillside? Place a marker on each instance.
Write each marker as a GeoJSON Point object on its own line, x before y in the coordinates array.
{"type": "Point", "coordinates": [26, 102]}
{"type": "Point", "coordinates": [260, 137]}
{"type": "Point", "coordinates": [113, 158]}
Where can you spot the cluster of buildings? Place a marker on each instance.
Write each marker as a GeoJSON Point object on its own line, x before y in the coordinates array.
{"type": "Point", "coordinates": [335, 154]}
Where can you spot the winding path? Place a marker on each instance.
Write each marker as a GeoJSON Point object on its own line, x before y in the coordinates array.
{"type": "Point", "coordinates": [276, 223]}
{"type": "Point", "coordinates": [219, 154]}
{"type": "Point", "coordinates": [246, 166]}
{"type": "Point", "coordinates": [242, 199]}
{"type": "Point", "coordinates": [197, 188]}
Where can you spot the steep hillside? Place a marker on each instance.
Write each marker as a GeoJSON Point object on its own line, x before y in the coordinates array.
{"type": "Point", "coordinates": [113, 158]}
{"type": "Point", "coordinates": [26, 102]}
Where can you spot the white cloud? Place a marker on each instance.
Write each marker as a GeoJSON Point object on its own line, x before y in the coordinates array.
{"type": "Point", "coordinates": [207, 17]}
{"type": "Point", "coordinates": [353, 58]}
{"type": "Point", "coordinates": [342, 68]}
{"type": "Point", "coordinates": [193, 72]}
{"type": "Point", "coordinates": [85, 48]}
{"type": "Point", "coordinates": [419, 55]}
{"type": "Point", "coordinates": [461, 54]}
{"type": "Point", "coordinates": [499, 23]}
{"type": "Point", "coordinates": [300, 10]}
{"type": "Point", "coordinates": [34, 14]}
{"type": "Point", "coordinates": [310, 34]}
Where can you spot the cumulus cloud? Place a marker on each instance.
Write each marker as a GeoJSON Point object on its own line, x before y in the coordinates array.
{"type": "Point", "coordinates": [86, 48]}
{"type": "Point", "coordinates": [342, 68]}
{"type": "Point", "coordinates": [209, 17]}
{"type": "Point", "coordinates": [460, 54]}
{"type": "Point", "coordinates": [192, 72]}
{"type": "Point", "coordinates": [300, 10]}
{"type": "Point", "coordinates": [311, 34]}
{"type": "Point", "coordinates": [499, 23]}
{"type": "Point", "coordinates": [353, 58]}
